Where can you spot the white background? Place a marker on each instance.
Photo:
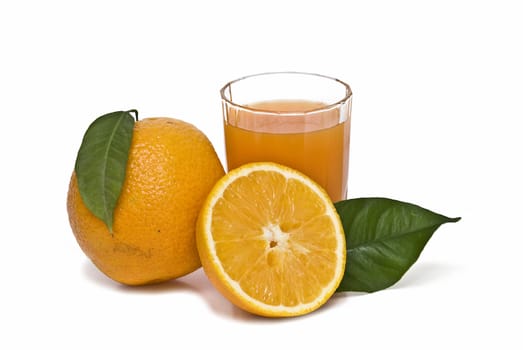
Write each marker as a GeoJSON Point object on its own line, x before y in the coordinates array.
{"type": "Point", "coordinates": [436, 121]}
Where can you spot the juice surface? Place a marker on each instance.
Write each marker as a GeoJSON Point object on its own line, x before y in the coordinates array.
{"type": "Point", "coordinates": [316, 143]}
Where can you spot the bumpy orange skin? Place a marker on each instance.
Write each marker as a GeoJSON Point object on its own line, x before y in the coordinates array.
{"type": "Point", "coordinates": [171, 168]}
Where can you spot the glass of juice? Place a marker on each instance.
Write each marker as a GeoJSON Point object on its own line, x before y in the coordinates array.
{"type": "Point", "coordinates": [300, 120]}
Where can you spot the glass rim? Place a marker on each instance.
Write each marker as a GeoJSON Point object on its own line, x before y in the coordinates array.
{"type": "Point", "coordinates": [344, 99]}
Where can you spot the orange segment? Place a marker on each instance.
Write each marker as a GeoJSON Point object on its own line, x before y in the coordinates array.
{"type": "Point", "coordinates": [270, 240]}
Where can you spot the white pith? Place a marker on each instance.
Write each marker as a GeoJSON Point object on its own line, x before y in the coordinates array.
{"type": "Point", "coordinates": [273, 233]}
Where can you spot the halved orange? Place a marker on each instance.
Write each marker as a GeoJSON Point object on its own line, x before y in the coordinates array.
{"type": "Point", "coordinates": [271, 241]}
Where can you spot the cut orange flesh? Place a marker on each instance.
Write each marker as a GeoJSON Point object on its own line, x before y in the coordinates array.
{"type": "Point", "coordinates": [271, 241]}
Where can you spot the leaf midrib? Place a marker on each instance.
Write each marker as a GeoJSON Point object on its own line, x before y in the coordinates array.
{"type": "Point", "coordinates": [104, 170]}
{"type": "Point", "coordinates": [401, 235]}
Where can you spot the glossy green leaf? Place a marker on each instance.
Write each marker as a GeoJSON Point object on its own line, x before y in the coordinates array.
{"type": "Point", "coordinates": [101, 163]}
{"type": "Point", "coordinates": [384, 238]}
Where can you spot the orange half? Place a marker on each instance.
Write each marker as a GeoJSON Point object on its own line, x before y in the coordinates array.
{"type": "Point", "coordinates": [271, 241]}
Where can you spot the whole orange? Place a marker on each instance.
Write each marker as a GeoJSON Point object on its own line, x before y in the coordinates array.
{"type": "Point", "coordinates": [171, 168]}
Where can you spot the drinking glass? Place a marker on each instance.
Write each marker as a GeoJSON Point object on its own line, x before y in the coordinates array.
{"type": "Point", "coordinates": [301, 120]}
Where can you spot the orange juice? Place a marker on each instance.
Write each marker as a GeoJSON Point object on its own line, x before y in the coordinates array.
{"type": "Point", "coordinates": [304, 135]}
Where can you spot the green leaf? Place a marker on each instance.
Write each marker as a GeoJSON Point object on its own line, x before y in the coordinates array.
{"type": "Point", "coordinates": [101, 163]}
{"type": "Point", "coordinates": [384, 238]}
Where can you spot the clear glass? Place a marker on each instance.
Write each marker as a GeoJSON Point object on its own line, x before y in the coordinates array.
{"type": "Point", "coordinates": [300, 120]}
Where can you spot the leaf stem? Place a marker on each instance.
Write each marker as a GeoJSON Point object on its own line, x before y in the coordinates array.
{"type": "Point", "coordinates": [135, 113]}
